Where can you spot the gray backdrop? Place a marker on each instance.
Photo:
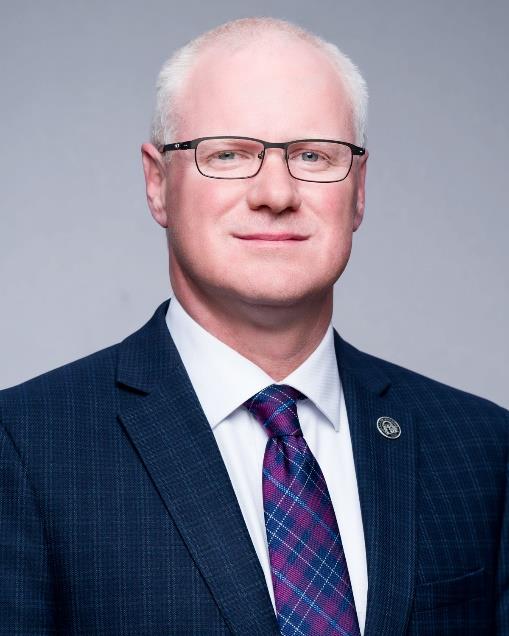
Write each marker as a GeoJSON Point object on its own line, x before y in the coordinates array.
{"type": "Point", "coordinates": [83, 264]}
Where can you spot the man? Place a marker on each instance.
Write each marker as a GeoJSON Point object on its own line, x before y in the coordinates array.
{"type": "Point", "coordinates": [235, 466]}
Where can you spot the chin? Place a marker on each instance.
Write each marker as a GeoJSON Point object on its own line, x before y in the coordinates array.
{"type": "Point", "coordinates": [275, 293]}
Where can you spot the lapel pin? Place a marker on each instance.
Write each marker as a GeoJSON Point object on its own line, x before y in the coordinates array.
{"type": "Point", "coordinates": [388, 427]}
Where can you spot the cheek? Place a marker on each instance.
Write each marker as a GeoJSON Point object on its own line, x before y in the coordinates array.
{"type": "Point", "coordinates": [335, 252]}
{"type": "Point", "coordinates": [335, 211]}
{"type": "Point", "coordinates": [198, 213]}
{"type": "Point", "coordinates": [200, 199]}
{"type": "Point", "coordinates": [335, 221]}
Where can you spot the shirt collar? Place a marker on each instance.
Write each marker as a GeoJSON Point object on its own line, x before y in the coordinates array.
{"type": "Point", "coordinates": [223, 379]}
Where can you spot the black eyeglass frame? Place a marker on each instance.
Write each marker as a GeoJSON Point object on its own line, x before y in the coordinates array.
{"type": "Point", "coordinates": [193, 144]}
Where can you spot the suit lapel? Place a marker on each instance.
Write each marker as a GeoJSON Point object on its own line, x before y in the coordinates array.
{"type": "Point", "coordinates": [386, 477]}
{"type": "Point", "coordinates": [167, 426]}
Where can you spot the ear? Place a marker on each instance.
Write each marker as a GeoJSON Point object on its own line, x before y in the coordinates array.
{"type": "Point", "coordinates": [361, 190]}
{"type": "Point", "coordinates": [154, 168]}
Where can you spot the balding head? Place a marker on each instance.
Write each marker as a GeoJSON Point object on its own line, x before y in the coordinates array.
{"type": "Point", "coordinates": [231, 37]}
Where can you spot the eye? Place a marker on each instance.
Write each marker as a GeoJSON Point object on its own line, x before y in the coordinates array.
{"type": "Point", "coordinates": [309, 155]}
{"type": "Point", "coordinates": [226, 155]}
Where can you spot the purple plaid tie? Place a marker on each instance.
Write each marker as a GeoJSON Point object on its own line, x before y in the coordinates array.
{"type": "Point", "coordinates": [309, 573]}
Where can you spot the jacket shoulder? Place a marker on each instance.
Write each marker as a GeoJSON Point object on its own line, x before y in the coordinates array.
{"type": "Point", "coordinates": [424, 392]}
{"type": "Point", "coordinates": [85, 386]}
{"type": "Point", "coordinates": [72, 380]}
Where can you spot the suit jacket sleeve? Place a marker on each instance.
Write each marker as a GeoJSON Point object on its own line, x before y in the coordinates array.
{"type": "Point", "coordinates": [26, 595]}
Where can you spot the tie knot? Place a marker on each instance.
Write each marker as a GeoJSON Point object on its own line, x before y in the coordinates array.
{"type": "Point", "coordinates": [275, 407]}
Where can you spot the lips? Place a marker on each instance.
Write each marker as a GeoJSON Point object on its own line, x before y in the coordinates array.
{"type": "Point", "coordinates": [272, 237]}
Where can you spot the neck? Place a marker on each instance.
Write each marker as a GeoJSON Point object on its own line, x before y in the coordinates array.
{"type": "Point", "coordinates": [275, 338]}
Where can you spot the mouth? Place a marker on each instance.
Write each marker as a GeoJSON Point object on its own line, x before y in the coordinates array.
{"type": "Point", "coordinates": [281, 237]}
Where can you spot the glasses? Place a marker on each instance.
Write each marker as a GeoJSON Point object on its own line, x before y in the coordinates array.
{"type": "Point", "coordinates": [317, 160]}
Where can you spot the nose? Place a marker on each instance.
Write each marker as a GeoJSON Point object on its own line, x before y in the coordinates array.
{"type": "Point", "coordinates": [273, 188]}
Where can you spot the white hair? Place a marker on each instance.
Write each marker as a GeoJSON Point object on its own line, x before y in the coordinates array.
{"type": "Point", "coordinates": [235, 34]}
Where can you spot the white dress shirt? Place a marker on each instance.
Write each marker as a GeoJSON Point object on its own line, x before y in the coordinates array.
{"type": "Point", "coordinates": [223, 379]}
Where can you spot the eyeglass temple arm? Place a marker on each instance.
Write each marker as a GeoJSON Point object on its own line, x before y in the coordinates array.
{"type": "Point", "coordinates": [181, 145]}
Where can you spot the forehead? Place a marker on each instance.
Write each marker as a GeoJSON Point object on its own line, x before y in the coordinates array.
{"type": "Point", "coordinates": [275, 88]}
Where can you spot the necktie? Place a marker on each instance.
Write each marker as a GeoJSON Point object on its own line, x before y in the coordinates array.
{"type": "Point", "coordinates": [311, 584]}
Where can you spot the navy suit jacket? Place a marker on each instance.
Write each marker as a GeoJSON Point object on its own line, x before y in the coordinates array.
{"type": "Point", "coordinates": [117, 515]}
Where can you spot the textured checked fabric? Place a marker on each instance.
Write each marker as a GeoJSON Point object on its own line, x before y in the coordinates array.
{"type": "Point", "coordinates": [309, 573]}
{"type": "Point", "coordinates": [117, 515]}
